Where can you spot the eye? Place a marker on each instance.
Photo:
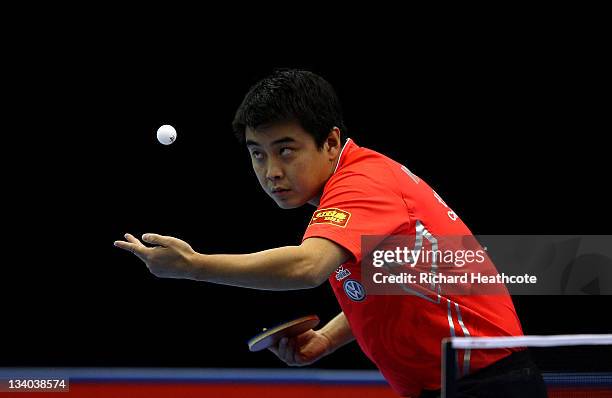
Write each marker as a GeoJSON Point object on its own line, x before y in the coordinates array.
{"type": "Point", "coordinates": [257, 155]}
{"type": "Point", "coordinates": [286, 151]}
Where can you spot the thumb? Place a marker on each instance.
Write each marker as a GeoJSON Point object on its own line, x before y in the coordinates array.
{"type": "Point", "coordinates": [155, 239]}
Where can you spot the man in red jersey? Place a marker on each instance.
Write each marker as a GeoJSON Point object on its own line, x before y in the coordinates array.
{"type": "Point", "coordinates": [291, 122]}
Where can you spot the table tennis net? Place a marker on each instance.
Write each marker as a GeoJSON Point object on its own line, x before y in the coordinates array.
{"type": "Point", "coordinates": [573, 366]}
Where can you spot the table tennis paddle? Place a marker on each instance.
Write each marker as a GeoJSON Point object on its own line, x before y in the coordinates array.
{"type": "Point", "coordinates": [271, 336]}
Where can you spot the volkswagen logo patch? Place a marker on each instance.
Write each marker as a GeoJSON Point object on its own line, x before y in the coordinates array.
{"type": "Point", "coordinates": [354, 290]}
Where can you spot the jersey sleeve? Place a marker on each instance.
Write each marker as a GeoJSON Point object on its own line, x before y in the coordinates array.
{"type": "Point", "coordinates": [355, 204]}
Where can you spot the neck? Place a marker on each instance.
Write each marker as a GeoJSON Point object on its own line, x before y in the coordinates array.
{"type": "Point", "coordinates": [317, 199]}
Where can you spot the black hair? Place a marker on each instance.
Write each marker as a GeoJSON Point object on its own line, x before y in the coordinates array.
{"type": "Point", "coordinates": [291, 95]}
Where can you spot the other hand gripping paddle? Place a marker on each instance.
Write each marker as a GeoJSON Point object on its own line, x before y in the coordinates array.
{"type": "Point", "coordinates": [270, 337]}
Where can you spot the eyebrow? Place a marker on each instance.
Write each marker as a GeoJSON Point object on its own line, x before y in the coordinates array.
{"type": "Point", "coordinates": [283, 140]}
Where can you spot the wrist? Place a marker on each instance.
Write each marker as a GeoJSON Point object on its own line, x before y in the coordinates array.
{"type": "Point", "coordinates": [196, 266]}
{"type": "Point", "coordinates": [331, 347]}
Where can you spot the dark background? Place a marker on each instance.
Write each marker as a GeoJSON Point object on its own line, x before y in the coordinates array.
{"type": "Point", "coordinates": [506, 128]}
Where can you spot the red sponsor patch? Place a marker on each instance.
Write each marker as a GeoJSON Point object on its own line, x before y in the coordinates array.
{"type": "Point", "coordinates": [331, 216]}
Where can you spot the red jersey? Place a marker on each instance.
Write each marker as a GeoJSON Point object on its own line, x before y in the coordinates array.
{"type": "Point", "coordinates": [370, 194]}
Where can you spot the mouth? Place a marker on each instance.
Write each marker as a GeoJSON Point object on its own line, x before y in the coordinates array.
{"type": "Point", "coordinates": [280, 191]}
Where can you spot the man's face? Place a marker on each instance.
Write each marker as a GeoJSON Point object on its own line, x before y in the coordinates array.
{"type": "Point", "coordinates": [289, 166]}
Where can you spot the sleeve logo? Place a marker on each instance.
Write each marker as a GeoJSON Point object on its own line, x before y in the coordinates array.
{"type": "Point", "coordinates": [331, 216]}
{"type": "Point", "coordinates": [354, 290]}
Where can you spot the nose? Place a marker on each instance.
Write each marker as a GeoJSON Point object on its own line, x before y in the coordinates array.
{"type": "Point", "coordinates": [274, 171]}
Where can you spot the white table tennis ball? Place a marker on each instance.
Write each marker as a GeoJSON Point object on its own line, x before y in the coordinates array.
{"type": "Point", "coordinates": [166, 134]}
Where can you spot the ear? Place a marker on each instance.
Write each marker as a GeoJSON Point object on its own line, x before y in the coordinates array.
{"type": "Point", "coordinates": [333, 145]}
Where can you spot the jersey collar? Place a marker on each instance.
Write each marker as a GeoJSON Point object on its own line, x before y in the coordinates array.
{"type": "Point", "coordinates": [340, 158]}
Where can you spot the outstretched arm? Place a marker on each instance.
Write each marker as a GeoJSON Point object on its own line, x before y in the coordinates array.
{"type": "Point", "coordinates": [283, 268]}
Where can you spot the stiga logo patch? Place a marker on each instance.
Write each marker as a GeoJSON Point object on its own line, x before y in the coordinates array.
{"type": "Point", "coordinates": [331, 216]}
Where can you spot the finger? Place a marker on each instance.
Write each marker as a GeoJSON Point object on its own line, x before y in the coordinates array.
{"type": "Point", "coordinates": [134, 245]}
{"type": "Point", "coordinates": [274, 349]}
{"type": "Point", "coordinates": [131, 247]}
{"type": "Point", "coordinates": [157, 239]}
{"type": "Point", "coordinates": [131, 238]}
{"type": "Point", "coordinates": [292, 351]}
{"type": "Point", "coordinates": [282, 349]}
